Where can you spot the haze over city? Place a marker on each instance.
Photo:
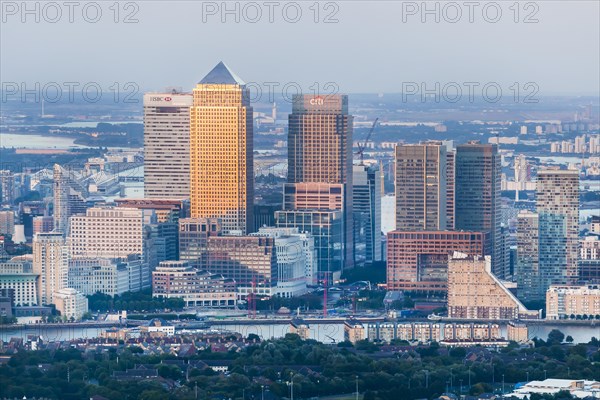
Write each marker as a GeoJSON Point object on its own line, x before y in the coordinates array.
{"type": "Point", "coordinates": [363, 46]}
{"type": "Point", "coordinates": [353, 200]}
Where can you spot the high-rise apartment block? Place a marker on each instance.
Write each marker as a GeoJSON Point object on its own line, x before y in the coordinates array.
{"type": "Point", "coordinates": [557, 203]}
{"type": "Point", "coordinates": [167, 145]}
{"type": "Point", "coordinates": [531, 282]}
{"type": "Point", "coordinates": [320, 152]}
{"type": "Point", "coordinates": [51, 263]}
{"type": "Point", "coordinates": [366, 199]}
{"type": "Point", "coordinates": [221, 151]}
{"type": "Point", "coordinates": [477, 196]}
{"type": "Point", "coordinates": [421, 187]}
{"type": "Point", "coordinates": [418, 260]}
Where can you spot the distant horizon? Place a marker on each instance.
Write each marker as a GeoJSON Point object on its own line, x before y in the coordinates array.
{"type": "Point", "coordinates": [365, 47]}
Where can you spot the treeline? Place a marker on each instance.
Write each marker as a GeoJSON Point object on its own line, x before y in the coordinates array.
{"type": "Point", "coordinates": [133, 301]}
{"type": "Point", "coordinates": [314, 368]}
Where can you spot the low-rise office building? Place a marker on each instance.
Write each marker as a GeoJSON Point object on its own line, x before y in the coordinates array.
{"type": "Point", "coordinates": [71, 304]}
{"type": "Point", "coordinates": [17, 275]}
{"type": "Point", "coordinates": [177, 279]}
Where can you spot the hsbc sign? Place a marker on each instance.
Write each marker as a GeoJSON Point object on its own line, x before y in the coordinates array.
{"type": "Point", "coordinates": [155, 98]}
{"type": "Point", "coordinates": [166, 100]}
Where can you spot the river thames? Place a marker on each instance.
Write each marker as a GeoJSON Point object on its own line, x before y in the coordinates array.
{"type": "Point", "coordinates": [323, 332]}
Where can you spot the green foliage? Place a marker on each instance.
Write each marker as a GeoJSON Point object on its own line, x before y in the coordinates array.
{"type": "Point", "coordinates": [375, 273]}
{"type": "Point", "coordinates": [555, 337]}
{"type": "Point", "coordinates": [133, 301]}
{"type": "Point", "coordinates": [4, 320]}
{"type": "Point", "coordinates": [308, 301]}
{"type": "Point", "coordinates": [425, 374]}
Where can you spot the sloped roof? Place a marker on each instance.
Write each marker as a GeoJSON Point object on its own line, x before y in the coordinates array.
{"type": "Point", "coordinates": [221, 74]}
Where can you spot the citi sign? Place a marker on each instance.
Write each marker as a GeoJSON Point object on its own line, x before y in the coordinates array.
{"type": "Point", "coordinates": [316, 101]}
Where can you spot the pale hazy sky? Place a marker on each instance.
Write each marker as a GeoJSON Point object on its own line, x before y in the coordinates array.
{"type": "Point", "coordinates": [369, 49]}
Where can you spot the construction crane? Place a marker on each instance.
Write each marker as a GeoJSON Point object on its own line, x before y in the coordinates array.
{"type": "Point", "coordinates": [361, 149]}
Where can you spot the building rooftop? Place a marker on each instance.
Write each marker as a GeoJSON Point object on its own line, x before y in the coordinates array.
{"type": "Point", "coordinates": [221, 75]}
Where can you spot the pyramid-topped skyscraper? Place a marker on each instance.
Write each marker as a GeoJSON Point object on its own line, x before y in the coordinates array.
{"type": "Point", "coordinates": [221, 74]}
{"type": "Point", "coordinates": [221, 151]}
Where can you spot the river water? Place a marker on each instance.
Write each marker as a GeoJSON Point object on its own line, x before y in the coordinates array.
{"type": "Point", "coordinates": [326, 332]}
{"type": "Point", "coordinates": [18, 141]}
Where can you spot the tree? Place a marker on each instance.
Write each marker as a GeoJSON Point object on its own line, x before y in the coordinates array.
{"type": "Point", "coordinates": [253, 337]}
{"type": "Point", "coordinates": [569, 339]}
{"type": "Point", "coordinates": [555, 337]}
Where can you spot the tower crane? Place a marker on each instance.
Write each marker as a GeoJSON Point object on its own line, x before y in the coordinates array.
{"type": "Point", "coordinates": [361, 149]}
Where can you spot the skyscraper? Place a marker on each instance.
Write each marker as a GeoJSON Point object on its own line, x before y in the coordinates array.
{"type": "Point", "coordinates": [51, 263]}
{"type": "Point", "coordinates": [527, 267]}
{"type": "Point", "coordinates": [421, 187]}
{"type": "Point", "coordinates": [477, 196]}
{"type": "Point", "coordinates": [320, 151]}
{"type": "Point", "coordinates": [557, 203]}
{"type": "Point", "coordinates": [69, 197]}
{"type": "Point", "coordinates": [450, 186]}
{"type": "Point", "coordinates": [221, 151]}
{"type": "Point", "coordinates": [366, 198]}
{"type": "Point", "coordinates": [167, 145]}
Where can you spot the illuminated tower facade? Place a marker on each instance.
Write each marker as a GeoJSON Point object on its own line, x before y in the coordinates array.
{"type": "Point", "coordinates": [221, 151]}
{"type": "Point", "coordinates": [320, 155]}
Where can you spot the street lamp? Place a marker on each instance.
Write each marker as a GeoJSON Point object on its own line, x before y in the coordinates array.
{"type": "Point", "coordinates": [527, 376]}
{"type": "Point", "coordinates": [469, 377]}
{"type": "Point", "coordinates": [262, 392]}
{"type": "Point", "coordinates": [545, 375]}
{"type": "Point", "coordinates": [356, 387]}
{"type": "Point", "coordinates": [426, 378]}
{"type": "Point", "coordinates": [502, 383]}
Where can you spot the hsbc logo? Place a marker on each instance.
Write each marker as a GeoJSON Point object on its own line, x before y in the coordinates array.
{"type": "Point", "coordinates": [156, 98]}
{"type": "Point", "coordinates": [316, 101]}
{"type": "Point", "coordinates": [167, 99]}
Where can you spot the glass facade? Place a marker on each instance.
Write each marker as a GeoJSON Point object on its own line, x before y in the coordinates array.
{"type": "Point", "coordinates": [325, 227]}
